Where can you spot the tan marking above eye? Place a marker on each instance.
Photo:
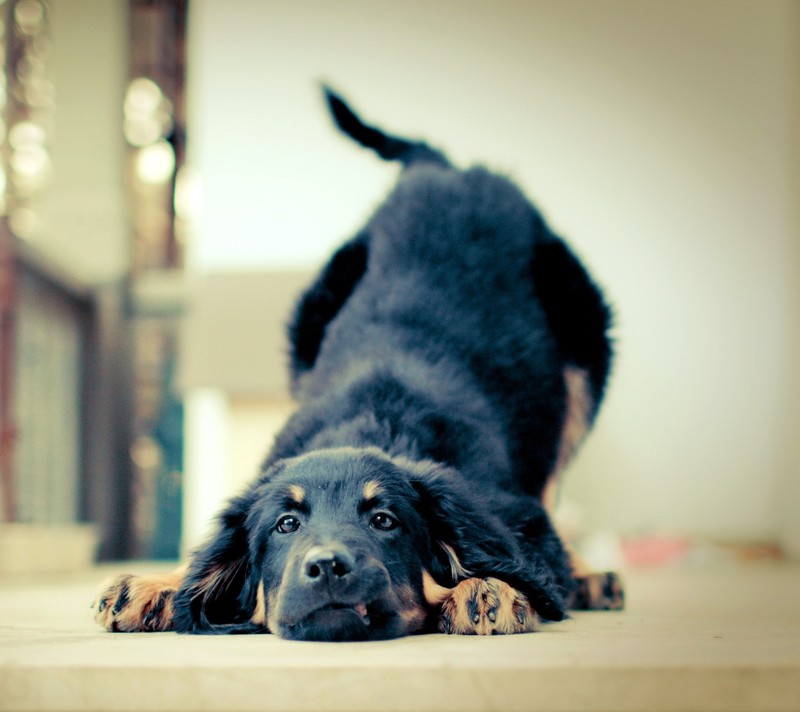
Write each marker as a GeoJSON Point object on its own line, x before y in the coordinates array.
{"type": "Point", "coordinates": [297, 493]}
{"type": "Point", "coordinates": [372, 489]}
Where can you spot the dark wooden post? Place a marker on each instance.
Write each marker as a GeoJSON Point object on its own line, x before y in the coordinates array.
{"type": "Point", "coordinates": [8, 431]}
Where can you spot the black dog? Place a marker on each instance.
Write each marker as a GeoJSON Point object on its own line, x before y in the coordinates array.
{"type": "Point", "coordinates": [447, 362]}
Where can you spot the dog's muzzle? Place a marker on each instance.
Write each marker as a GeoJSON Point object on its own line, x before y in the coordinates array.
{"type": "Point", "coordinates": [335, 595]}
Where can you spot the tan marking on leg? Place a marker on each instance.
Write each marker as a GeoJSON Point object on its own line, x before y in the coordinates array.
{"type": "Point", "coordinates": [372, 489]}
{"type": "Point", "coordinates": [433, 593]}
{"type": "Point", "coordinates": [138, 603]}
{"type": "Point", "coordinates": [260, 613]}
{"type": "Point", "coordinates": [550, 495]}
{"type": "Point", "coordinates": [576, 425]}
{"type": "Point", "coordinates": [576, 421]}
{"type": "Point", "coordinates": [455, 615]}
{"type": "Point", "coordinates": [486, 607]}
{"type": "Point", "coordinates": [514, 613]}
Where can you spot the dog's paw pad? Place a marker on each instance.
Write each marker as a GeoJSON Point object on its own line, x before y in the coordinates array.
{"type": "Point", "coordinates": [600, 592]}
{"type": "Point", "coordinates": [135, 603]}
{"type": "Point", "coordinates": [486, 607]}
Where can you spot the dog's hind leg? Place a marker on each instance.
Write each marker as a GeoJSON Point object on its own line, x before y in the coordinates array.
{"type": "Point", "coordinates": [580, 320]}
{"type": "Point", "coordinates": [578, 413]}
{"type": "Point", "coordinates": [595, 591]}
{"type": "Point", "coordinates": [599, 592]}
{"type": "Point", "coordinates": [577, 315]}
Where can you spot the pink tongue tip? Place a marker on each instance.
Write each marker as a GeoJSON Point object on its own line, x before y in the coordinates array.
{"type": "Point", "coordinates": [361, 609]}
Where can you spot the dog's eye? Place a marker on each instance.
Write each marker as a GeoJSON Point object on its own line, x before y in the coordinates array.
{"type": "Point", "coordinates": [383, 521]}
{"type": "Point", "coordinates": [288, 524]}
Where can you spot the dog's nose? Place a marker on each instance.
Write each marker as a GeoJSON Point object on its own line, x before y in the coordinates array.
{"type": "Point", "coordinates": [327, 562]}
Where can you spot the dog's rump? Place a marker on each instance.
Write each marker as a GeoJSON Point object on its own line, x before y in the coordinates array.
{"type": "Point", "coordinates": [471, 233]}
{"type": "Point", "coordinates": [446, 285]}
{"type": "Point", "coordinates": [493, 233]}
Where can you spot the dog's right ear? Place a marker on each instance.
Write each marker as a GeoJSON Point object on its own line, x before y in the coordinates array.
{"type": "Point", "coordinates": [322, 301]}
{"type": "Point", "coordinates": [219, 592]}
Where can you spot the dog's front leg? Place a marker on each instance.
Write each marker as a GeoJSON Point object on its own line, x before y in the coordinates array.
{"type": "Point", "coordinates": [138, 603]}
{"type": "Point", "coordinates": [487, 606]}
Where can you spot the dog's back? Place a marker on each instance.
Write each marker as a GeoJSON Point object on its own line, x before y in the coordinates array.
{"type": "Point", "coordinates": [451, 295]}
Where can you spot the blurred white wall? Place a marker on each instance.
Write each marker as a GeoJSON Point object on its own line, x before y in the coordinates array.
{"type": "Point", "coordinates": [660, 138]}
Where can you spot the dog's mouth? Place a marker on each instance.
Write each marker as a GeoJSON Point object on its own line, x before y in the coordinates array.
{"type": "Point", "coordinates": [347, 611]}
{"type": "Point", "coordinates": [340, 621]}
{"type": "Point", "coordinates": [365, 608]}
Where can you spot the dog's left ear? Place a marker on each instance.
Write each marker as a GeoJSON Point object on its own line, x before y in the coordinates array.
{"type": "Point", "coordinates": [220, 590]}
{"type": "Point", "coordinates": [468, 540]}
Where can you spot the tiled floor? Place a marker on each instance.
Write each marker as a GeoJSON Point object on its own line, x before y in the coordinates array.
{"type": "Point", "coordinates": [689, 640]}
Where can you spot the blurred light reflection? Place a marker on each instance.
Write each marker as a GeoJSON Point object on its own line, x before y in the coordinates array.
{"type": "Point", "coordinates": [155, 164]}
{"type": "Point", "coordinates": [148, 113]}
{"type": "Point", "coordinates": [26, 133]}
{"type": "Point", "coordinates": [23, 221]}
{"type": "Point", "coordinates": [188, 194]}
{"type": "Point", "coordinates": [27, 101]}
{"type": "Point", "coordinates": [29, 15]}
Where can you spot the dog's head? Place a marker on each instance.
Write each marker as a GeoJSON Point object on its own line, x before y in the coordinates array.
{"type": "Point", "coordinates": [348, 544]}
{"type": "Point", "coordinates": [341, 545]}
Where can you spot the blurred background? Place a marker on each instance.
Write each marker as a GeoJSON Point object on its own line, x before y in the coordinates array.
{"type": "Point", "coordinates": [170, 181]}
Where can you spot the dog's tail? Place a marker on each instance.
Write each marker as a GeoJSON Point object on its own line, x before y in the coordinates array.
{"type": "Point", "coordinates": [388, 147]}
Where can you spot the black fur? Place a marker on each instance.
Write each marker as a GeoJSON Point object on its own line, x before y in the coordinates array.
{"type": "Point", "coordinates": [428, 361]}
{"type": "Point", "coordinates": [388, 147]}
{"type": "Point", "coordinates": [322, 302]}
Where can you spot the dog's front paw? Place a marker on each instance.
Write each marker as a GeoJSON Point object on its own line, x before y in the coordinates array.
{"type": "Point", "coordinates": [600, 592]}
{"type": "Point", "coordinates": [486, 607]}
{"type": "Point", "coordinates": [137, 603]}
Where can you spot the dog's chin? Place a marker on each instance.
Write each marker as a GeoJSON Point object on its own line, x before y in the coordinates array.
{"type": "Point", "coordinates": [344, 622]}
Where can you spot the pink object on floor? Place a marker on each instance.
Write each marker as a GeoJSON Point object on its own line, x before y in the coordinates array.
{"type": "Point", "coordinates": [654, 550]}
